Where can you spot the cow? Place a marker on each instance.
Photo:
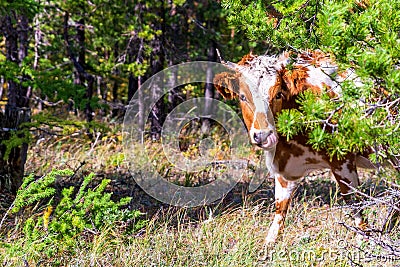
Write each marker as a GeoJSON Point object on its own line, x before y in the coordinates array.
{"type": "Point", "coordinates": [263, 83]}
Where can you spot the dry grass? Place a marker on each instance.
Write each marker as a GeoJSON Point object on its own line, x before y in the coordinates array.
{"type": "Point", "coordinates": [228, 233]}
{"type": "Point", "coordinates": [312, 237]}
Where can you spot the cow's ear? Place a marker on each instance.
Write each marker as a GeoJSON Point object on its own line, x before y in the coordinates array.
{"type": "Point", "coordinates": [227, 84]}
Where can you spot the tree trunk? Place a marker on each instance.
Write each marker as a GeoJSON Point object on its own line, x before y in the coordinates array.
{"type": "Point", "coordinates": [12, 161]}
{"type": "Point", "coordinates": [83, 75]}
{"type": "Point", "coordinates": [133, 84]}
{"type": "Point", "coordinates": [89, 93]}
{"type": "Point", "coordinates": [116, 109]}
{"type": "Point", "coordinates": [173, 95]}
{"type": "Point", "coordinates": [80, 72]}
{"type": "Point", "coordinates": [209, 88]}
{"type": "Point", "coordinates": [158, 113]}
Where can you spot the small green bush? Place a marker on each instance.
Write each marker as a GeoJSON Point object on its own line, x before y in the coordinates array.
{"type": "Point", "coordinates": [80, 210]}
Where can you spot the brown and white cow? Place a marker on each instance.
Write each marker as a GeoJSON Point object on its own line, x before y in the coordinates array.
{"type": "Point", "coordinates": [268, 82]}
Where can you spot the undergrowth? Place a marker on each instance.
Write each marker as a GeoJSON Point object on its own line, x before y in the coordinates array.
{"type": "Point", "coordinates": [65, 218]}
{"type": "Point", "coordinates": [54, 226]}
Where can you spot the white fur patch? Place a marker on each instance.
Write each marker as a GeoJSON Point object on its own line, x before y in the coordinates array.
{"type": "Point", "coordinates": [302, 165]}
{"type": "Point", "coordinates": [274, 229]}
{"type": "Point", "coordinates": [322, 78]}
{"type": "Point", "coordinates": [283, 193]}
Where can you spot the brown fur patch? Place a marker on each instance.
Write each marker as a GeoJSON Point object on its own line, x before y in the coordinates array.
{"type": "Point", "coordinates": [344, 189]}
{"type": "Point", "coordinates": [284, 151]}
{"type": "Point", "coordinates": [315, 57]}
{"type": "Point", "coordinates": [247, 106]}
{"type": "Point", "coordinates": [312, 161]}
{"type": "Point", "coordinates": [247, 113]}
{"type": "Point", "coordinates": [351, 166]}
{"type": "Point", "coordinates": [282, 181]}
{"type": "Point", "coordinates": [296, 81]}
{"type": "Point", "coordinates": [288, 85]}
{"type": "Point", "coordinates": [282, 207]}
{"type": "Point", "coordinates": [291, 82]}
{"type": "Point", "coordinates": [261, 121]}
{"type": "Point", "coordinates": [276, 88]}
{"type": "Point", "coordinates": [227, 84]}
{"type": "Point", "coordinates": [337, 166]}
{"type": "Point", "coordinates": [246, 59]}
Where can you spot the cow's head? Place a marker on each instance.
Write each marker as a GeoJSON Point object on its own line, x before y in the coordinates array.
{"type": "Point", "coordinates": [267, 84]}
{"type": "Point", "coordinates": [252, 83]}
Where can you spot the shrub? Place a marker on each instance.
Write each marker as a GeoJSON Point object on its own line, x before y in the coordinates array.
{"type": "Point", "coordinates": [80, 210]}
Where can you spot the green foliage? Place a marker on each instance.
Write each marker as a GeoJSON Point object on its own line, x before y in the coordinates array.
{"type": "Point", "coordinates": [88, 209]}
{"type": "Point", "coordinates": [120, 38]}
{"type": "Point", "coordinates": [16, 139]}
{"type": "Point", "coordinates": [32, 191]}
{"type": "Point", "coordinates": [116, 159]}
{"type": "Point", "coordinates": [362, 35]}
{"type": "Point", "coordinates": [318, 137]}
{"type": "Point", "coordinates": [338, 127]}
{"type": "Point", "coordinates": [48, 123]}
{"type": "Point", "coordinates": [137, 69]}
{"type": "Point", "coordinates": [80, 209]}
{"type": "Point", "coordinates": [28, 7]}
{"type": "Point", "coordinates": [295, 28]}
{"type": "Point", "coordinates": [289, 122]}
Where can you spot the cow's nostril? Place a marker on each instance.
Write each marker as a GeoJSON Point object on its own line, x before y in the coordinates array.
{"type": "Point", "coordinates": [257, 138]}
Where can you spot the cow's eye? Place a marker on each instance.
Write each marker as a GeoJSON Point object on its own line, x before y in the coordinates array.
{"type": "Point", "coordinates": [242, 97]}
{"type": "Point", "coordinates": [279, 95]}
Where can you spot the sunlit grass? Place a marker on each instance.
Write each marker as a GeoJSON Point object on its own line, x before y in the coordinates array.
{"type": "Point", "coordinates": [312, 237]}
{"type": "Point", "coordinates": [222, 234]}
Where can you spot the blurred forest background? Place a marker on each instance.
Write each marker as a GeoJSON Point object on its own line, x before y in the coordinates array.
{"type": "Point", "coordinates": [76, 64]}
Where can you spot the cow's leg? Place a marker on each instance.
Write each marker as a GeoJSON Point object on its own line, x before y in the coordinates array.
{"type": "Point", "coordinates": [345, 173]}
{"type": "Point", "coordinates": [283, 195]}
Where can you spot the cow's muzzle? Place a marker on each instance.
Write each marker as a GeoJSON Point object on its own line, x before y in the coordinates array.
{"type": "Point", "coordinates": [265, 139]}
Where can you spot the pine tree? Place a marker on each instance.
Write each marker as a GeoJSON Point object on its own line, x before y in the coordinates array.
{"type": "Point", "coordinates": [361, 34]}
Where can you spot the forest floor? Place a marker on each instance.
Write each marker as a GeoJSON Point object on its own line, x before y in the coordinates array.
{"type": "Point", "coordinates": [229, 232]}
